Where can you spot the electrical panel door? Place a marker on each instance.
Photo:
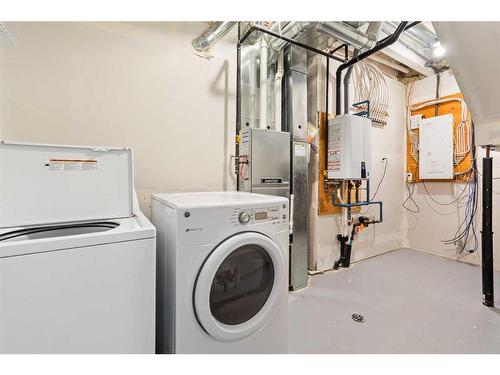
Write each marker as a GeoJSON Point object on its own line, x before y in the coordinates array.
{"type": "Point", "coordinates": [436, 148]}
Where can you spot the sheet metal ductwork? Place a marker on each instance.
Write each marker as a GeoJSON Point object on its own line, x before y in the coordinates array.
{"type": "Point", "coordinates": [348, 34]}
{"type": "Point", "coordinates": [212, 35]}
{"type": "Point", "coordinates": [338, 30]}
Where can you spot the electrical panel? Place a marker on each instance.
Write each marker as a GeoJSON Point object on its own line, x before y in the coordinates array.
{"type": "Point", "coordinates": [436, 148]}
{"type": "Point", "coordinates": [349, 147]}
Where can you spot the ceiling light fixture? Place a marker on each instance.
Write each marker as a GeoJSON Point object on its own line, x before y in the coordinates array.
{"type": "Point", "coordinates": [438, 50]}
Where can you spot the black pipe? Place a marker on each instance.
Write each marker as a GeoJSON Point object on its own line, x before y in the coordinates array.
{"type": "Point", "coordinates": [379, 46]}
{"type": "Point", "coordinates": [344, 253]}
{"type": "Point", "coordinates": [347, 81]}
{"type": "Point", "coordinates": [246, 35]}
{"type": "Point", "coordinates": [294, 42]}
{"type": "Point", "coordinates": [487, 232]}
{"type": "Point", "coordinates": [409, 26]}
{"type": "Point", "coordinates": [238, 101]}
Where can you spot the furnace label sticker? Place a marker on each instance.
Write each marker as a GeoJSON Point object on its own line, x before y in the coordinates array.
{"type": "Point", "coordinates": [71, 165]}
{"type": "Point", "coordinates": [300, 150]}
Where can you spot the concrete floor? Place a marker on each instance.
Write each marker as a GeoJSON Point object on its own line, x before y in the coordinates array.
{"type": "Point", "coordinates": [412, 303]}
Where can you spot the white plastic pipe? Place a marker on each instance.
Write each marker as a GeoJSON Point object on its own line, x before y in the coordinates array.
{"type": "Point", "coordinates": [263, 84]}
{"type": "Point", "coordinates": [280, 71]}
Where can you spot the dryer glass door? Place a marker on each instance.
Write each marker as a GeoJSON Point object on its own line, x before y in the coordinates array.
{"type": "Point", "coordinates": [242, 285]}
{"type": "Point", "coordinates": [238, 285]}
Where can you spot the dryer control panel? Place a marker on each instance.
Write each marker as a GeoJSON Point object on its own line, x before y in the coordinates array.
{"type": "Point", "coordinates": [256, 215]}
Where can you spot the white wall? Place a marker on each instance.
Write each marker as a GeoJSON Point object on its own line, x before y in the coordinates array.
{"type": "Point", "coordinates": [140, 84]}
{"type": "Point", "coordinates": [125, 84]}
{"type": "Point", "coordinates": [386, 143]}
{"type": "Point", "coordinates": [3, 45]}
{"type": "Point", "coordinates": [435, 223]}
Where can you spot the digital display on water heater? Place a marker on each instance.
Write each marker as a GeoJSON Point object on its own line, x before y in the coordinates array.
{"type": "Point", "coordinates": [260, 215]}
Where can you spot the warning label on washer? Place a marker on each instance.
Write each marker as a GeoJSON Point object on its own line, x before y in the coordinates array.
{"type": "Point", "coordinates": [71, 165]}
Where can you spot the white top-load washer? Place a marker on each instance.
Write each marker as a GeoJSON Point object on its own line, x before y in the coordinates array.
{"type": "Point", "coordinates": [222, 272]}
{"type": "Point", "coordinates": [77, 257]}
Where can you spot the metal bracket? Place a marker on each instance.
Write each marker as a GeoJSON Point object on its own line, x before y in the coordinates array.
{"type": "Point", "coordinates": [365, 113]}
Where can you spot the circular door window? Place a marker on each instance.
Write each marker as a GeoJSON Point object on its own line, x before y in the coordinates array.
{"type": "Point", "coordinates": [238, 284]}
{"type": "Point", "coordinates": [242, 285]}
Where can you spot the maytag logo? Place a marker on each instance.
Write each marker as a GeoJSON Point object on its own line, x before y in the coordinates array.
{"type": "Point", "coordinates": [193, 230]}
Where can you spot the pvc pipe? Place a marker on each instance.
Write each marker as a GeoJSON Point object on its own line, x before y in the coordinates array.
{"type": "Point", "coordinates": [280, 71]}
{"type": "Point", "coordinates": [263, 84]}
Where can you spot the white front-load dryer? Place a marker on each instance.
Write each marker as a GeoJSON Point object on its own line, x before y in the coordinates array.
{"type": "Point", "coordinates": [222, 272]}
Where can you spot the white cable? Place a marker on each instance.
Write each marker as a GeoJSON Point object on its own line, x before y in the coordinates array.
{"type": "Point", "coordinates": [413, 138]}
{"type": "Point", "coordinates": [370, 84]}
{"type": "Point", "coordinates": [462, 135]}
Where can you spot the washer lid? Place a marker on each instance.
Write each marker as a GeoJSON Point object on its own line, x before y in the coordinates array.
{"type": "Point", "coordinates": [47, 184]}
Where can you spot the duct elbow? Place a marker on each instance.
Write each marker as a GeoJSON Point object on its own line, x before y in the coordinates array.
{"type": "Point", "coordinates": [201, 44]}
{"type": "Point", "coordinates": [212, 35]}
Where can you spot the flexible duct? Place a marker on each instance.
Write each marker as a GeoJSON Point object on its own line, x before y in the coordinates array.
{"type": "Point", "coordinates": [212, 35]}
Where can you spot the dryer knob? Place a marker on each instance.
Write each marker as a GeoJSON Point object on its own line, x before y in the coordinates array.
{"type": "Point", "coordinates": [244, 217]}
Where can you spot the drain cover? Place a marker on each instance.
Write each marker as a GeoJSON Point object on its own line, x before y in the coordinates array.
{"type": "Point", "coordinates": [358, 318]}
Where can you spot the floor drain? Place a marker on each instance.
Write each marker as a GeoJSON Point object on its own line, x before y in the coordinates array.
{"type": "Point", "coordinates": [358, 318]}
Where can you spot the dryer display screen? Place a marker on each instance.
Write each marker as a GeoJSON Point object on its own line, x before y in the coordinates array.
{"type": "Point", "coordinates": [260, 215]}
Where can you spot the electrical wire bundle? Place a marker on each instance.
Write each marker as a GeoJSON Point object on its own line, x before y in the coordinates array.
{"type": "Point", "coordinates": [466, 231]}
{"type": "Point", "coordinates": [370, 84]}
{"type": "Point", "coordinates": [465, 237]}
{"type": "Point", "coordinates": [410, 198]}
{"type": "Point", "coordinates": [413, 137]}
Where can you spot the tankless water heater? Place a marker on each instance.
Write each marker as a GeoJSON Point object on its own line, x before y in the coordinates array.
{"type": "Point", "coordinates": [349, 147]}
